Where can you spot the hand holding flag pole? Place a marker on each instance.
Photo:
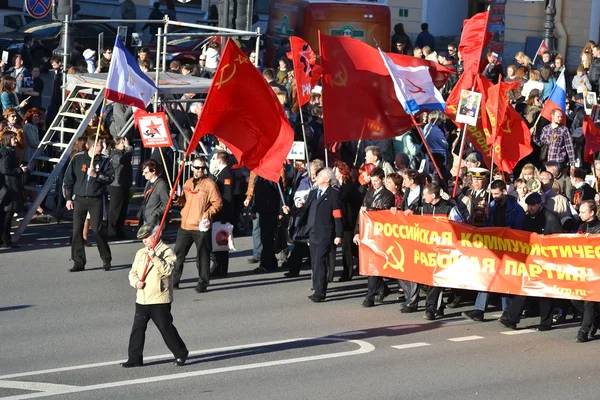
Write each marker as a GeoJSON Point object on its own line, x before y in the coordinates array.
{"type": "Point", "coordinates": [97, 136]}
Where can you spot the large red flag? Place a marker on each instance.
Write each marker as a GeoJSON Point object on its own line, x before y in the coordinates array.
{"type": "Point", "coordinates": [473, 40]}
{"type": "Point", "coordinates": [358, 90]}
{"type": "Point", "coordinates": [510, 138]}
{"type": "Point", "coordinates": [306, 70]}
{"type": "Point", "coordinates": [592, 139]}
{"type": "Point", "coordinates": [243, 111]}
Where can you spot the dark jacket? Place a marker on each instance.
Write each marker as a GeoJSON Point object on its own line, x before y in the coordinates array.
{"type": "Point", "coordinates": [590, 227]}
{"type": "Point", "coordinates": [225, 182]}
{"type": "Point", "coordinates": [323, 216]}
{"type": "Point", "coordinates": [545, 222]}
{"type": "Point", "coordinates": [493, 72]}
{"type": "Point", "coordinates": [594, 74]}
{"type": "Point", "coordinates": [440, 209]}
{"type": "Point", "coordinates": [425, 39]}
{"type": "Point", "coordinates": [416, 204]}
{"type": "Point", "coordinates": [266, 197]}
{"type": "Point", "coordinates": [156, 198]}
{"type": "Point", "coordinates": [515, 215]}
{"type": "Point", "coordinates": [155, 14]}
{"type": "Point", "coordinates": [121, 114]}
{"type": "Point", "coordinates": [121, 161]}
{"type": "Point", "coordinates": [76, 181]}
{"type": "Point", "coordinates": [11, 177]}
{"type": "Point", "coordinates": [384, 200]}
{"type": "Point", "coordinates": [350, 198]}
{"type": "Point", "coordinates": [56, 98]}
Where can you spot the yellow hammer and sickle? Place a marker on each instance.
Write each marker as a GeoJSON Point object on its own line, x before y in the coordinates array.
{"type": "Point", "coordinates": [399, 263]}
{"type": "Point", "coordinates": [340, 77]}
{"type": "Point", "coordinates": [224, 81]}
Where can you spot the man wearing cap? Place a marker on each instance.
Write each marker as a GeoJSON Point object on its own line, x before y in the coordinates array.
{"type": "Point", "coordinates": [151, 275]}
{"type": "Point", "coordinates": [477, 194]}
{"type": "Point", "coordinates": [557, 139]}
{"type": "Point", "coordinates": [90, 59]}
{"type": "Point", "coordinates": [543, 222]}
{"type": "Point", "coordinates": [494, 69]}
{"type": "Point", "coordinates": [201, 201]}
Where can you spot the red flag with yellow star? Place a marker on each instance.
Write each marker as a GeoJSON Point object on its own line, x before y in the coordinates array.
{"type": "Point", "coordinates": [243, 111]}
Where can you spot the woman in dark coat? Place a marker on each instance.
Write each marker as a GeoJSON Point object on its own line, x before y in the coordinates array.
{"type": "Point", "coordinates": [11, 184]}
{"type": "Point", "coordinates": [120, 157]}
{"type": "Point", "coordinates": [350, 197]}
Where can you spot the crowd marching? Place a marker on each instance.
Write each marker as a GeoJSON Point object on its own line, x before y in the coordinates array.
{"type": "Point", "coordinates": [314, 210]}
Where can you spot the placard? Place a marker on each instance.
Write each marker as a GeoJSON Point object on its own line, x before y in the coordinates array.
{"type": "Point", "coordinates": [468, 107]}
{"type": "Point", "coordinates": [297, 152]}
{"type": "Point", "coordinates": [5, 56]}
{"type": "Point", "coordinates": [589, 101]}
{"type": "Point", "coordinates": [154, 130]}
{"type": "Point", "coordinates": [122, 33]}
{"type": "Point", "coordinates": [136, 40]}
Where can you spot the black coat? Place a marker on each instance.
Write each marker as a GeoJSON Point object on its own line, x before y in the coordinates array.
{"type": "Point", "coordinates": [121, 161]}
{"type": "Point", "coordinates": [266, 197]}
{"type": "Point", "coordinates": [350, 198]}
{"type": "Point", "coordinates": [416, 204]}
{"type": "Point", "coordinates": [384, 200]}
{"type": "Point", "coordinates": [545, 222]}
{"type": "Point", "coordinates": [327, 226]}
{"type": "Point", "coordinates": [225, 182]}
{"type": "Point", "coordinates": [11, 178]}
{"type": "Point", "coordinates": [156, 198]}
{"type": "Point", "coordinates": [585, 192]}
{"type": "Point", "coordinates": [590, 227]}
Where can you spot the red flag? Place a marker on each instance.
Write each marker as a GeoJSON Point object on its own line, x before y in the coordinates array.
{"type": "Point", "coordinates": [496, 106]}
{"type": "Point", "coordinates": [243, 111]}
{"type": "Point", "coordinates": [542, 48]}
{"type": "Point", "coordinates": [473, 40]}
{"type": "Point", "coordinates": [513, 141]}
{"type": "Point", "coordinates": [306, 71]}
{"type": "Point", "coordinates": [358, 90]}
{"type": "Point", "coordinates": [592, 139]}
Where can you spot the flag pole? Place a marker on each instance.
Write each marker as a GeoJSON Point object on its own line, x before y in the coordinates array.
{"type": "Point", "coordinates": [97, 134]}
{"type": "Point", "coordinates": [326, 158]}
{"type": "Point", "coordinates": [536, 54]}
{"type": "Point", "coordinates": [426, 146]}
{"type": "Point", "coordinates": [491, 173]}
{"type": "Point", "coordinates": [163, 219]}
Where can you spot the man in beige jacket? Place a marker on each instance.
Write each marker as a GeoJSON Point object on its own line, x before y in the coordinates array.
{"type": "Point", "coordinates": [154, 298]}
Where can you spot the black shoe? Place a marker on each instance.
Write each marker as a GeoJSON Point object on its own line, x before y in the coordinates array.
{"type": "Point", "coordinates": [291, 274]}
{"type": "Point", "coordinates": [544, 328]}
{"type": "Point", "coordinates": [316, 299]}
{"type": "Point", "coordinates": [593, 331]}
{"type": "Point", "coordinates": [260, 270]}
{"type": "Point", "coordinates": [507, 323]}
{"type": "Point", "coordinates": [429, 315]}
{"type": "Point", "coordinates": [76, 269]}
{"type": "Point", "coordinates": [439, 313]}
{"type": "Point", "coordinates": [408, 309]}
{"type": "Point", "coordinates": [559, 319]}
{"type": "Point", "coordinates": [368, 303]}
{"type": "Point", "coordinates": [475, 315]}
{"type": "Point", "coordinates": [582, 336]}
{"type": "Point", "coordinates": [180, 362]}
{"type": "Point", "coordinates": [253, 260]}
{"type": "Point", "coordinates": [201, 289]}
{"type": "Point", "coordinates": [107, 266]}
{"type": "Point", "coordinates": [10, 246]}
{"type": "Point", "coordinates": [455, 303]}
{"type": "Point", "coordinates": [382, 295]}
{"type": "Point", "coordinates": [176, 286]}
{"type": "Point", "coordinates": [130, 364]}
{"type": "Point", "coordinates": [344, 279]}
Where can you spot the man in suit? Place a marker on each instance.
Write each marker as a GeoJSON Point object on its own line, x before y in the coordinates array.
{"type": "Point", "coordinates": [156, 194]}
{"type": "Point", "coordinates": [323, 217]}
{"type": "Point", "coordinates": [378, 198]}
{"type": "Point", "coordinates": [225, 181]}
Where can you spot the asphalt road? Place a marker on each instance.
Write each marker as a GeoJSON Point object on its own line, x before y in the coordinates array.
{"type": "Point", "coordinates": [62, 335]}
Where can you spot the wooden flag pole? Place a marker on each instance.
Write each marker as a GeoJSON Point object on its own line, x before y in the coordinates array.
{"type": "Point", "coordinates": [97, 134]}
{"type": "Point", "coordinates": [162, 157]}
{"type": "Point", "coordinates": [426, 146]}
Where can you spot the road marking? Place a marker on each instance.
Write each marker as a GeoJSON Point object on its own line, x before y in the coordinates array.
{"type": "Point", "coordinates": [353, 333]}
{"type": "Point", "coordinates": [364, 347]}
{"type": "Point", "coordinates": [401, 327]}
{"type": "Point", "coordinates": [410, 345]}
{"type": "Point", "coordinates": [35, 386]}
{"type": "Point", "coordinates": [496, 315]}
{"type": "Point", "coordinates": [465, 338]}
{"type": "Point", "coordinates": [518, 332]}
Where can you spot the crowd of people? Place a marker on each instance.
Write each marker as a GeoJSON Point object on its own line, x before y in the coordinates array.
{"type": "Point", "coordinates": [314, 209]}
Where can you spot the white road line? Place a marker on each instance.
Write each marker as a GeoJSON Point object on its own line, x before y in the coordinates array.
{"type": "Point", "coordinates": [401, 327]}
{"type": "Point", "coordinates": [35, 386]}
{"type": "Point", "coordinates": [410, 345]}
{"type": "Point", "coordinates": [519, 332]}
{"type": "Point", "coordinates": [465, 338]}
{"type": "Point", "coordinates": [496, 315]}
{"type": "Point", "coordinates": [364, 347]}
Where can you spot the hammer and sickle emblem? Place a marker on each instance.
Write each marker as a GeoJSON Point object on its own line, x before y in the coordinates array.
{"type": "Point", "coordinates": [340, 77]}
{"type": "Point", "coordinates": [391, 254]}
{"type": "Point", "coordinates": [224, 81]}
{"type": "Point", "coordinates": [419, 88]}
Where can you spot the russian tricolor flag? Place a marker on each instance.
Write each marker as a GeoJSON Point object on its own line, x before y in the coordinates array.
{"type": "Point", "coordinates": [557, 99]}
{"type": "Point", "coordinates": [126, 83]}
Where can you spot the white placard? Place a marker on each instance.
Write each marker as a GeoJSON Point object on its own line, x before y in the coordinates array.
{"type": "Point", "coordinates": [297, 152]}
{"type": "Point", "coordinates": [468, 107]}
{"type": "Point", "coordinates": [5, 56]}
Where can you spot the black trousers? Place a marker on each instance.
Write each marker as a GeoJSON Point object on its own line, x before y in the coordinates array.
{"type": "Point", "coordinates": [160, 314]}
{"type": "Point", "coordinates": [589, 309]}
{"type": "Point", "coordinates": [375, 285]}
{"type": "Point", "coordinates": [184, 242]}
{"type": "Point", "coordinates": [93, 205]}
{"type": "Point", "coordinates": [319, 257]}
{"type": "Point", "coordinates": [117, 210]}
{"type": "Point", "coordinates": [268, 230]}
{"type": "Point", "coordinates": [220, 264]}
{"type": "Point", "coordinates": [518, 305]}
{"type": "Point", "coordinates": [5, 222]}
{"type": "Point", "coordinates": [348, 254]}
{"type": "Point", "coordinates": [433, 301]}
{"type": "Point", "coordinates": [294, 261]}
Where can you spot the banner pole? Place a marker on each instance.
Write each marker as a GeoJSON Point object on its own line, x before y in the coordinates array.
{"type": "Point", "coordinates": [491, 174]}
{"type": "Point", "coordinates": [463, 142]}
{"type": "Point", "coordinates": [426, 146]}
{"type": "Point", "coordinates": [97, 134]}
{"type": "Point", "coordinates": [281, 194]}
{"type": "Point", "coordinates": [162, 157]}
{"type": "Point", "coordinates": [163, 219]}
{"type": "Point", "coordinates": [326, 158]}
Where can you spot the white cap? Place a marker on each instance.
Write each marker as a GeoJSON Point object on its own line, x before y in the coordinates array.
{"type": "Point", "coordinates": [317, 90]}
{"type": "Point", "coordinates": [88, 53]}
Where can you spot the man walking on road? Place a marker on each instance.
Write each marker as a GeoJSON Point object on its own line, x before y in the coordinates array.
{"type": "Point", "coordinates": [154, 298]}
{"type": "Point", "coordinates": [83, 188]}
{"type": "Point", "coordinates": [201, 201]}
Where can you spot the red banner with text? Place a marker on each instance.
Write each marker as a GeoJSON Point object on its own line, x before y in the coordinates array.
{"type": "Point", "coordinates": [442, 253]}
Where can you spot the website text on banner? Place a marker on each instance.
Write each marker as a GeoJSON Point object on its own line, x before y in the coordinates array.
{"type": "Point", "coordinates": [439, 252]}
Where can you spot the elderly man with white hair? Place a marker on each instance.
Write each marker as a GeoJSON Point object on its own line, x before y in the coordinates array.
{"type": "Point", "coordinates": [322, 216]}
